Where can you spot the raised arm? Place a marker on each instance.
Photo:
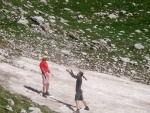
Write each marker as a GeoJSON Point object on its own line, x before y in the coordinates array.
{"type": "Point", "coordinates": [72, 74]}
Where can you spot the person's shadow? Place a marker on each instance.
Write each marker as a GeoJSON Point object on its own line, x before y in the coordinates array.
{"type": "Point", "coordinates": [37, 91]}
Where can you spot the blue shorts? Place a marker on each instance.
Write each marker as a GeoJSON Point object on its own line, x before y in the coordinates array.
{"type": "Point", "coordinates": [78, 95]}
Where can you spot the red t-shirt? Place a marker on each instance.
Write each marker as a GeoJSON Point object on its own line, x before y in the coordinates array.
{"type": "Point", "coordinates": [44, 66]}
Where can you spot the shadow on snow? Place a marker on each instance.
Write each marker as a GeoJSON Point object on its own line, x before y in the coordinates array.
{"type": "Point", "coordinates": [37, 91]}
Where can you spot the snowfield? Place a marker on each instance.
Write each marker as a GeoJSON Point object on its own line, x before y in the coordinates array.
{"type": "Point", "coordinates": [103, 93]}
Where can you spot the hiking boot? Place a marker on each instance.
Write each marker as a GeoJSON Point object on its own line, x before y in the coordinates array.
{"type": "Point", "coordinates": [86, 108]}
{"type": "Point", "coordinates": [47, 93]}
{"type": "Point", "coordinates": [77, 111]}
{"type": "Point", "coordinates": [44, 95]}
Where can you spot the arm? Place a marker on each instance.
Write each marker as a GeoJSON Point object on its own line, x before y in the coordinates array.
{"type": "Point", "coordinates": [42, 70]}
{"type": "Point", "coordinates": [72, 74]}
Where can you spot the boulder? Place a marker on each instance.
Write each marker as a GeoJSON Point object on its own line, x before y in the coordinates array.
{"type": "Point", "coordinates": [34, 110]}
{"type": "Point", "coordinates": [9, 108]}
{"type": "Point", "coordinates": [138, 31]}
{"type": "Point", "coordinates": [66, 52]}
{"type": "Point", "coordinates": [72, 35]}
{"type": "Point", "coordinates": [139, 46]}
{"type": "Point", "coordinates": [38, 19]}
{"type": "Point", "coordinates": [66, 1]}
{"type": "Point", "coordinates": [147, 58]}
{"type": "Point", "coordinates": [95, 41]}
{"type": "Point", "coordinates": [23, 21]}
{"type": "Point", "coordinates": [84, 53]}
{"type": "Point", "coordinates": [43, 1]}
{"type": "Point", "coordinates": [23, 111]}
{"type": "Point", "coordinates": [125, 59]}
{"type": "Point", "coordinates": [112, 16]}
{"type": "Point", "coordinates": [80, 16]}
{"type": "Point", "coordinates": [11, 102]}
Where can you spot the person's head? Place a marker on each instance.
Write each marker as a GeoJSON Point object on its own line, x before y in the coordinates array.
{"type": "Point", "coordinates": [44, 58]}
{"type": "Point", "coordinates": [80, 73]}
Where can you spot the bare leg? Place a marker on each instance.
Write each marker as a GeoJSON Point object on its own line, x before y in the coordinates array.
{"type": "Point", "coordinates": [47, 87]}
{"type": "Point", "coordinates": [44, 88]}
{"type": "Point", "coordinates": [84, 102]}
{"type": "Point", "coordinates": [77, 104]}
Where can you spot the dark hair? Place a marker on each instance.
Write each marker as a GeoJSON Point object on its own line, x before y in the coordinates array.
{"type": "Point", "coordinates": [81, 74]}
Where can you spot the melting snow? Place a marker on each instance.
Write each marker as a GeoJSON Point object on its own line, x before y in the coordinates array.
{"type": "Point", "coordinates": [103, 93]}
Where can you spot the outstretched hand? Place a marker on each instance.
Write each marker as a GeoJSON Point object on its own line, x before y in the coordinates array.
{"type": "Point", "coordinates": [69, 70]}
{"type": "Point", "coordinates": [52, 75]}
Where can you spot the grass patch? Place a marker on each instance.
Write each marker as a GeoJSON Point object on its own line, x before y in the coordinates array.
{"type": "Point", "coordinates": [21, 102]}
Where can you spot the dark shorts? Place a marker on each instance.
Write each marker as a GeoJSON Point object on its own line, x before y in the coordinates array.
{"type": "Point", "coordinates": [78, 95]}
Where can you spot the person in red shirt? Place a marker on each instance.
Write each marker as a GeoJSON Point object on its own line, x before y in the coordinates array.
{"type": "Point", "coordinates": [45, 76]}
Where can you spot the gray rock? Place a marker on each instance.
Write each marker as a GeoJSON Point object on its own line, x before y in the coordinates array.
{"type": "Point", "coordinates": [9, 108]}
{"type": "Point", "coordinates": [23, 111]}
{"type": "Point", "coordinates": [87, 44]}
{"type": "Point", "coordinates": [95, 41]}
{"type": "Point", "coordinates": [80, 31]}
{"type": "Point", "coordinates": [38, 12]}
{"type": "Point", "coordinates": [125, 59]}
{"type": "Point", "coordinates": [45, 26]}
{"type": "Point", "coordinates": [94, 48]}
{"type": "Point", "coordinates": [52, 17]}
{"type": "Point", "coordinates": [23, 21]}
{"type": "Point", "coordinates": [52, 20]}
{"type": "Point", "coordinates": [104, 41]}
{"type": "Point", "coordinates": [34, 110]}
{"type": "Point", "coordinates": [37, 19]}
{"type": "Point", "coordinates": [139, 46]}
{"type": "Point", "coordinates": [133, 72]}
{"type": "Point", "coordinates": [101, 14]}
{"type": "Point", "coordinates": [72, 35]}
{"type": "Point", "coordinates": [22, 11]}
{"type": "Point", "coordinates": [133, 62]}
{"type": "Point", "coordinates": [138, 31]}
{"type": "Point", "coordinates": [113, 46]}
{"type": "Point", "coordinates": [63, 20]}
{"type": "Point", "coordinates": [147, 58]}
{"type": "Point", "coordinates": [84, 53]}
{"type": "Point", "coordinates": [115, 59]}
{"type": "Point", "coordinates": [43, 1]}
{"type": "Point", "coordinates": [112, 16]}
{"type": "Point", "coordinates": [11, 102]}
{"type": "Point", "coordinates": [80, 16]}
{"type": "Point", "coordinates": [68, 10]}
{"type": "Point", "coordinates": [66, 1]}
{"type": "Point", "coordinates": [66, 52]}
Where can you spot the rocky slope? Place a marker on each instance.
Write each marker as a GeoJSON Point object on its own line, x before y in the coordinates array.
{"type": "Point", "coordinates": [32, 29]}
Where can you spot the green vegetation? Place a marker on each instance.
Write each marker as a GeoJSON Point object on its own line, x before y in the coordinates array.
{"type": "Point", "coordinates": [131, 25]}
{"type": "Point", "coordinates": [21, 102]}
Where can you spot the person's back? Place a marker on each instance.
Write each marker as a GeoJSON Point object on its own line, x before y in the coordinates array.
{"type": "Point", "coordinates": [79, 84]}
{"type": "Point", "coordinates": [79, 92]}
